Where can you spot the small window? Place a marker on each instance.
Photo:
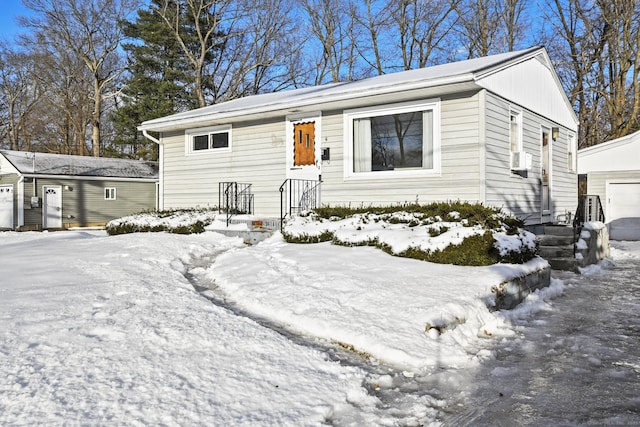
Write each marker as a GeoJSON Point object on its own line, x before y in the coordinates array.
{"type": "Point", "coordinates": [571, 153]}
{"type": "Point", "coordinates": [515, 131]}
{"type": "Point", "coordinates": [201, 142]}
{"type": "Point", "coordinates": [208, 139]}
{"type": "Point", "coordinates": [110, 193]}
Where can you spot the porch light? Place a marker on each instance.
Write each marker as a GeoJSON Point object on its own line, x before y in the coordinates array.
{"type": "Point", "coordinates": [555, 133]}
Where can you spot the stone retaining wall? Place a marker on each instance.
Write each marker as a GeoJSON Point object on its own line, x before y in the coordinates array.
{"type": "Point", "coordinates": [511, 293]}
{"type": "Point", "coordinates": [593, 244]}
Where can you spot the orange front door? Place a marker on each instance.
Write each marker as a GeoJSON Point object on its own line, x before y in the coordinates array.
{"type": "Point", "coordinates": [304, 144]}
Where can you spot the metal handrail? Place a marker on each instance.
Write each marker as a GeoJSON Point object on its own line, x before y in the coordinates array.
{"type": "Point", "coordinates": [301, 195]}
{"type": "Point", "coordinates": [589, 209]}
{"type": "Point", "coordinates": [234, 198]}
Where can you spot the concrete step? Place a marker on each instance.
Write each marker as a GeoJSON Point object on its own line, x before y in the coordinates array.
{"type": "Point", "coordinates": [553, 240]}
{"type": "Point", "coordinates": [558, 230]}
{"type": "Point", "coordinates": [563, 251]}
{"type": "Point", "coordinates": [566, 264]}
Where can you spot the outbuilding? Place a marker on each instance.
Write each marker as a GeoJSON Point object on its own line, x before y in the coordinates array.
{"type": "Point", "coordinates": [497, 130]}
{"type": "Point", "coordinates": [54, 191]}
{"type": "Point", "coordinates": [612, 172]}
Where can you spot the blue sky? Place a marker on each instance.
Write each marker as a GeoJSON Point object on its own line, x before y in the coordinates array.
{"type": "Point", "coordinates": [10, 10]}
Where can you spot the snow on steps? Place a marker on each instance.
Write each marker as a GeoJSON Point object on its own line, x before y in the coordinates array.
{"type": "Point", "coordinates": [556, 244]}
{"type": "Point", "coordinates": [252, 230]}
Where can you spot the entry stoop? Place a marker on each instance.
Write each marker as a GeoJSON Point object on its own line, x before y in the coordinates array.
{"type": "Point", "coordinates": [556, 245]}
{"type": "Point", "coordinates": [252, 230]}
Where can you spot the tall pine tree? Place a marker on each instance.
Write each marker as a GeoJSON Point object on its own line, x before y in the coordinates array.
{"type": "Point", "coordinates": [158, 82]}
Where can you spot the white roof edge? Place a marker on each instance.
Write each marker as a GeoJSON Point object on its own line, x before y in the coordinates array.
{"type": "Point", "coordinates": [605, 145]}
{"type": "Point", "coordinates": [459, 74]}
{"type": "Point", "coordinates": [525, 55]}
{"type": "Point", "coordinates": [86, 177]}
{"type": "Point", "coordinates": [160, 124]}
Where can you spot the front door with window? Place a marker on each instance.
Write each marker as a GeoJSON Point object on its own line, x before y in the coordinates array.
{"type": "Point", "coordinates": [546, 175]}
{"type": "Point", "coordinates": [6, 206]}
{"type": "Point", "coordinates": [52, 206]}
{"type": "Point", "coordinates": [303, 152]}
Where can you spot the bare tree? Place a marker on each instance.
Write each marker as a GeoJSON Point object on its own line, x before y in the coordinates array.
{"type": "Point", "coordinates": [201, 27]}
{"type": "Point", "coordinates": [490, 26]}
{"type": "Point", "coordinates": [332, 26]}
{"type": "Point", "coordinates": [19, 93]}
{"type": "Point", "coordinates": [422, 28]}
{"type": "Point", "coordinates": [89, 29]}
{"type": "Point", "coordinates": [597, 56]}
{"type": "Point", "coordinates": [620, 65]}
{"type": "Point", "coordinates": [260, 53]}
{"type": "Point", "coordinates": [513, 29]}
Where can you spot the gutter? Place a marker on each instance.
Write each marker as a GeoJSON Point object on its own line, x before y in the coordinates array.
{"type": "Point", "coordinates": [159, 125]}
{"type": "Point", "coordinates": [159, 184]}
{"type": "Point", "coordinates": [87, 178]}
{"type": "Point", "coordinates": [149, 137]}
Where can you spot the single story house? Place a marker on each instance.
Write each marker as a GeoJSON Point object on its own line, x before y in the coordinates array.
{"type": "Point", "coordinates": [54, 191]}
{"type": "Point", "coordinates": [496, 130]}
{"type": "Point", "coordinates": [612, 171]}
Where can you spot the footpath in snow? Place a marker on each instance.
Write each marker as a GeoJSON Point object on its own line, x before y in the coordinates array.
{"type": "Point", "coordinates": [108, 330]}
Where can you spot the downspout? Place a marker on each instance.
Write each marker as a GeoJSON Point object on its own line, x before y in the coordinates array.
{"type": "Point", "coordinates": [150, 137]}
{"type": "Point", "coordinates": [159, 185]}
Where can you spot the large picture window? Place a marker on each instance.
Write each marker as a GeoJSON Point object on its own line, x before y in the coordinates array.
{"type": "Point", "coordinates": [395, 138]}
{"type": "Point", "coordinates": [207, 139]}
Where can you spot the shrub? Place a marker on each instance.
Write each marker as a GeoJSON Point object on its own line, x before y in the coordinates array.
{"type": "Point", "coordinates": [475, 250]}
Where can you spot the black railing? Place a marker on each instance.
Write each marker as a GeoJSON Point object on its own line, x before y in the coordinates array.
{"type": "Point", "coordinates": [298, 195]}
{"type": "Point", "coordinates": [589, 209]}
{"type": "Point", "coordinates": [234, 198]}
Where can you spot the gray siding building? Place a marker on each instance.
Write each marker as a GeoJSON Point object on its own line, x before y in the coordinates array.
{"type": "Point", "coordinates": [53, 191]}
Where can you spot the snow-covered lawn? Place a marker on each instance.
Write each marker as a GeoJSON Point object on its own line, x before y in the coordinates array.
{"type": "Point", "coordinates": [107, 330]}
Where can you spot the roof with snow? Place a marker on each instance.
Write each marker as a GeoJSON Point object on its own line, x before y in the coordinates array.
{"type": "Point", "coordinates": [28, 163]}
{"type": "Point", "coordinates": [468, 71]}
{"type": "Point", "coordinates": [478, 71]}
{"type": "Point", "coordinates": [621, 154]}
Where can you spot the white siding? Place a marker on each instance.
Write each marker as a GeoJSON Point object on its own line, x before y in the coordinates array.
{"type": "Point", "coordinates": [533, 83]}
{"type": "Point", "coordinates": [460, 175]}
{"type": "Point", "coordinates": [517, 194]}
{"type": "Point", "coordinates": [257, 158]}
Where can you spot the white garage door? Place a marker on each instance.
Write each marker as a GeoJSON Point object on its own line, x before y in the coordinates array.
{"type": "Point", "coordinates": [623, 210]}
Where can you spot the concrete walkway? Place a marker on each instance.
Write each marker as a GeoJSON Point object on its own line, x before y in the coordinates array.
{"type": "Point", "coordinates": [576, 364]}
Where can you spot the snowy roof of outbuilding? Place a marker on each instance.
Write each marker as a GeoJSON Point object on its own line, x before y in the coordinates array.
{"type": "Point", "coordinates": [621, 154]}
{"type": "Point", "coordinates": [468, 71]}
{"type": "Point", "coordinates": [28, 163]}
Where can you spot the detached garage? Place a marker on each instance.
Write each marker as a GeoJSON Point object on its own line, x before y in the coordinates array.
{"type": "Point", "coordinates": [612, 172]}
{"type": "Point", "coordinates": [53, 191]}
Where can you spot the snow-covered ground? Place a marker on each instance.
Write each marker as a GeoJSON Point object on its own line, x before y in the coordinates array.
{"type": "Point", "coordinates": [109, 330]}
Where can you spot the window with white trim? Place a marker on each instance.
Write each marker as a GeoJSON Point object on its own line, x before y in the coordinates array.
{"type": "Point", "coordinates": [515, 131]}
{"type": "Point", "coordinates": [110, 193]}
{"type": "Point", "coordinates": [203, 140]}
{"type": "Point", "coordinates": [393, 139]}
{"type": "Point", "coordinates": [572, 165]}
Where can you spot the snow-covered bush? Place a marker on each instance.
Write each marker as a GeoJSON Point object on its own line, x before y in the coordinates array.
{"type": "Point", "coordinates": [449, 233]}
{"type": "Point", "coordinates": [179, 221]}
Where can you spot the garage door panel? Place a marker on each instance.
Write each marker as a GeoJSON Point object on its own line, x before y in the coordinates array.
{"type": "Point", "coordinates": [623, 210]}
